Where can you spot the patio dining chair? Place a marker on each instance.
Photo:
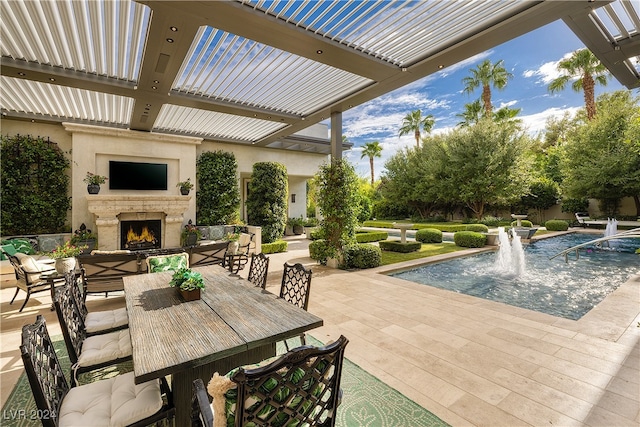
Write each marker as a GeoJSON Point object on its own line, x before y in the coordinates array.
{"type": "Point", "coordinates": [88, 353]}
{"type": "Point", "coordinates": [95, 322]}
{"type": "Point", "coordinates": [258, 270]}
{"type": "Point", "coordinates": [295, 288]}
{"type": "Point", "coordinates": [28, 273]}
{"type": "Point", "coordinates": [113, 401]}
{"type": "Point", "coordinates": [301, 387]}
{"type": "Point", "coordinates": [170, 262]}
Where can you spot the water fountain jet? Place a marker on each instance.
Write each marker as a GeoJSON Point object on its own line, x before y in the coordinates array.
{"type": "Point", "coordinates": [510, 256]}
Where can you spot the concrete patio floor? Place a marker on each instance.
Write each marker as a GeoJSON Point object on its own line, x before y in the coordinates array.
{"type": "Point", "coordinates": [468, 360]}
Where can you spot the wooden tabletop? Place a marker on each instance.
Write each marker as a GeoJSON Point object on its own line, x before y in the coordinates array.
{"type": "Point", "coordinates": [232, 316]}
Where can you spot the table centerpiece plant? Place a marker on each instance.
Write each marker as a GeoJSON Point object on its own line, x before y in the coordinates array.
{"type": "Point", "coordinates": [234, 244]}
{"type": "Point", "coordinates": [188, 282]}
{"type": "Point", "coordinates": [65, 256]}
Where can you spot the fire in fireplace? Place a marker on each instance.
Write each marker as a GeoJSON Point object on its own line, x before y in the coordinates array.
{"type": "Point", "coordinates": [140, 235]}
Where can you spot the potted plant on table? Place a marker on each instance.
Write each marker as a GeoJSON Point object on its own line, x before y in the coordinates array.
{"type": "Point", "coordinates": [84, 237]}
{"type": "Point", "coordinates": [234, 244]}
{"type": "Point", "coordinates": [185, 186]}
{"type": "Point", "coordinates": [65, 256]}
{"type": "Point", "coordinates": [93, 182]}
{"type": "Point", "coordinates": [188, 282]}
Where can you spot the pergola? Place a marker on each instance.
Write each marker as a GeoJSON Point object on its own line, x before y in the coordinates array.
{"type": "Point", "coordinates": [256, 72]}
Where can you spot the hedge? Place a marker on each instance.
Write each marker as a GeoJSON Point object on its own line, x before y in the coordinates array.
{"type": "Point", "coordinates": [469, 239]}
{"type": "Point", "coordinates": [362, 256]}
{"type": "Point", "coordinates": [417, 226]}
{"type": "Point", "coordinates": [319, 250]}
{"type": "Point", "coordinates": [556, 225]}
{"type": "Point", "coordinates": [429, 235]}
{"type": "Point", "coordinates": [478, 228]}
{"type": "Point", "coordinates": [397, 246]}
{"type": "Point", "coordinates": [371, 236]}
{"type": "Point", "coordinates": [275, 247]}
{"type": "Point", "coordinates": [524, 222]}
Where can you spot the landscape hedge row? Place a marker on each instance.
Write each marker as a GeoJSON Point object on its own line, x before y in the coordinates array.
{"type": "Point", "coordinates": [371, 236]}
{"type": "Point", "coordinates": [397, 246]}
{"type": "Point", "coordinates": [524, 222]}
{"type": "Point", "coordinates": [478, 228]}
{"type": "Point", "coordinates": [417, 226]}
{"type": "Point", "coordinates": [275, 247]}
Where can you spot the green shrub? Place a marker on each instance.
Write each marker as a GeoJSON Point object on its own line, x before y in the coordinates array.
{"type": "Point", "coordinates": [320, 250]}
{"type": "Point", "coordinates": [478, 228]}
{"type": "Point", "coordinates": [362, 256]}
{"type": "Point", "coordinates": [524, 222]}
{"type": "Point", "coordinates": [556, 225]}
{"type": "Point", "coordinates": [490, 221]}
{"type": "Point", "coordinates": [469, 239]}
{"type": "Point", "coordinates": [267, 199]}
{"type": "Point", "coordinates": [218, 196]}
{"type": "Point", "coordinates": [274, 247]}
{"type": "Point", "coordinates": [371, 236]}
{"type": "Point", "coordinates": [397, 246]}
{"type": "Point", "coordinates": [316, 234]}
{"type": "Point", "coordinates": [429, 235]}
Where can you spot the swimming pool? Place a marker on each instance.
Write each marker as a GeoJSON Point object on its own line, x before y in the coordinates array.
{"type": "Point", "coordinates": [554, 287]}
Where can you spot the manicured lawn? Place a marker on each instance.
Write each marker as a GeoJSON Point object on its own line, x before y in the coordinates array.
{"type": "Point", "coordinates": [427, 250]}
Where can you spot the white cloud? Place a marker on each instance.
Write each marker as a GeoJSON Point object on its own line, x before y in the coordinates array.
{"type": "Point", "coordinates": [507, 104]}
{"type": "Point", "coordinates": [536, 123]}
{"type": "Point", "coordinates": [547, 72]}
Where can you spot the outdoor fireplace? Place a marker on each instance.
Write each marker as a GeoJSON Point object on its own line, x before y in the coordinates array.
{"type": "Point", "coordinates": [140, 235]}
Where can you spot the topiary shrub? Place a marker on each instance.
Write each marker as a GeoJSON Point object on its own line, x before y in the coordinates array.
{"type": "Point", "coordinates": [319, 250]}
{"type": "Point", "coordinates": [34, 186]}
{"type": "Point", "coordinates": [429, 235]}
{"type": "Point", "coordinates": [371, 236]}
{"type": "Point", "coordinates": [469, 239]}
{"type": "Point", "coordinates": [275, 247]}
{"type": "Point", "coordinates": [218, 196]}
{"type": "Point", "coordinates": [478, 228]}
{"type": "Point", "coordinates": [490, 221]}
{"type": "Point", "coordinates": [397, 246]}
{"type": "Point", "coordinates": [267, 199]}
{"type": "Point", "coordinates": [556, 225]}
{"type": "Point", "coordinates": [362, 256]}
{"type": "Point", "coordinates": [524, 222]}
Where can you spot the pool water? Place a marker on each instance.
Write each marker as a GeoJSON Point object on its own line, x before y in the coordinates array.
{"type": "Point", "coordinates": [550, 286]}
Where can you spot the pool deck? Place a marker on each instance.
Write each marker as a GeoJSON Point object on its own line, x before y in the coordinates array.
{"type": "Point", "coordinates": [468, 360]}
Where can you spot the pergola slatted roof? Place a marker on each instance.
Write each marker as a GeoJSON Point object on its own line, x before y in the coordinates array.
{"type": "Point", "coordinates": [257, 72]}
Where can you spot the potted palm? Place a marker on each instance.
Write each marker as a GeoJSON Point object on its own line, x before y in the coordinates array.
{"type": "Point", "coordinates": [188, 282]}
{"type": "Point", "coordinates": [93, 182]}
{"type": "Point", "coordinates": [185, 186]}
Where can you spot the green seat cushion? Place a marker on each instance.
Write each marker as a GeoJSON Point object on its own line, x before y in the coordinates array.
{"type": "Point", "coordinates": [160, 263]}
{"type": "Point", "coordinates": [20, 245]}
{"type": "Point", "coordinates": [8, 248]}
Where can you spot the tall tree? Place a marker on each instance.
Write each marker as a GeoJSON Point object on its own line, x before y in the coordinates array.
{"type": "Point", "coordinates": [471, 114]}
{"type": "Point", "coordinates": [414, 123]}
{"type": "Point", "coordinates": [486, 75]}
{"type": "Point", "coordinates": [586, 70]}
{"type": "Point", "coordinates": [371, 150]}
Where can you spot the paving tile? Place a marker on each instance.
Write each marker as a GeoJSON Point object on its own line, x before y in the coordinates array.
{"type": "Point", "coordinates": [535, 413]}
{"type": "Point", "coordinates": [481, 414]}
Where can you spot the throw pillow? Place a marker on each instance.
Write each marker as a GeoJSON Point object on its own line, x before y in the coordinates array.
{"type": "Point", "coordinates": [8, 248]}
{"type": "Point", "coordinates": [156, 264]}
{"type": "Point", "coordinates": [21, 245]}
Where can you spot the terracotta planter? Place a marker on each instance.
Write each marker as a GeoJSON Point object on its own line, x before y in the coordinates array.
{"type": "Point", "coordinates": [190, 295]}
{"type": "Point", "coordinates": [65, 265]}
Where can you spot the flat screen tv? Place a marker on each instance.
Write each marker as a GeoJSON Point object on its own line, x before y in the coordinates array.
{"type": "Point", "coordinates": [137, 176]}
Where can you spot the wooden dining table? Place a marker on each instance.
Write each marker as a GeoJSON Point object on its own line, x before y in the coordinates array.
{"type": "Point", "coordinates": [233, 324]}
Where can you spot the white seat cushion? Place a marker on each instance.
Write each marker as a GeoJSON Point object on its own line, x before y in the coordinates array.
{"type": "Point", "coordinates": [102, 348]}
{"type": "Point", "coordinates": [103, 320]}
{"type": "Point", "coordinates": [113, 402]}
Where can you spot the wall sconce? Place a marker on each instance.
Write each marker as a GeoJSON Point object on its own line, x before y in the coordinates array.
{"type": "Point", "coordinates": [293, 198]}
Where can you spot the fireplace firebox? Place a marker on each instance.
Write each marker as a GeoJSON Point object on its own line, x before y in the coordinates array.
{"type": "Point", "coordinates": [140, 235]}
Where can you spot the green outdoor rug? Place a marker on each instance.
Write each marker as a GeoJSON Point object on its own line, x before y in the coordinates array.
{"type": "Point", "coordinates": [366, 401]}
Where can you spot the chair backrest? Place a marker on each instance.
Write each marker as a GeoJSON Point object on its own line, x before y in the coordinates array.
{"type": "Point", "coordinates": [172, 262]}
{"type": "Point", "coordinates": [258, 270]}
{"type": "Point", "coordinates": [71, 322]}
{"type": "Point", "coordinates": [73, 282]}
{"type": "Point", "coordinates": [104, 272]}
{"type": "Point", "coordinates": [581, 216]}
{"type": "Point", "coordinates": [46, 378]}
{"type": "Point", "coordinates": [201, 413]}
{"type": "Point", "coordinates": [296, 285]}
{"type": "Point", "coordinates": [302, 385]}
{"type": "Point", "coordinates": [212, 253]}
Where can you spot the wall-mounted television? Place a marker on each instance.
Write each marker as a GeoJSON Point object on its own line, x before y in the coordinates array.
{"type": "Point", "coordinates": [137, 176]}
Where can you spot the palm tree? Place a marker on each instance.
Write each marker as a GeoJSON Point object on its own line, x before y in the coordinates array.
{"type": "Point", "coordinates": [486, 75]}
{"type": "Point", "coordinates": [587, 70]}
{"type": "Point", "coordinates": [471, 114]}
{"type": "Point", "coordinates": [371, 150]}
{"type": "Point", "coordinates": [414, 121]}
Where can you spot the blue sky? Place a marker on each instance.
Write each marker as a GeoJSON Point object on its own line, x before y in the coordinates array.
{"type": "Point", "coordinates": [532, 60]}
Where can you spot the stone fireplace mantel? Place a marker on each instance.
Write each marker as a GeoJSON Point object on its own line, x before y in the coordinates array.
{"type": "Point", "coordinates": [109, 210]}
